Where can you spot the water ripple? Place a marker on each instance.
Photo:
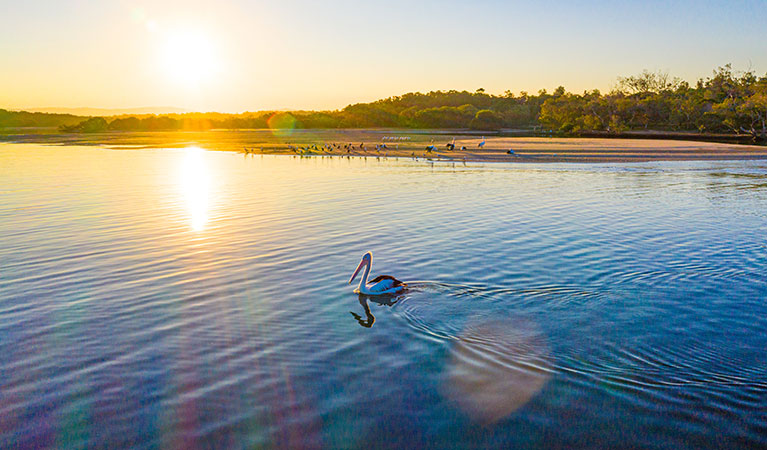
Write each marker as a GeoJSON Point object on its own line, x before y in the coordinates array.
{"type": "Point", "coordinates": [595, 305]}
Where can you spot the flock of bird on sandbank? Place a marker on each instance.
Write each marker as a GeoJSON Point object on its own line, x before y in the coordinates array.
{"type": "Point", "coordinates": [380, 150]}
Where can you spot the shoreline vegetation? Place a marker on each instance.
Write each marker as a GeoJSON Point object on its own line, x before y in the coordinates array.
{"type": "Point", "coordinates": [719, 113]}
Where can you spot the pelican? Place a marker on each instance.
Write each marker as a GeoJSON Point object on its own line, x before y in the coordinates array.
{"type": "Point", "coordinates": [382, 284]}
{"type": "Point", "coordinates": [482, 144]}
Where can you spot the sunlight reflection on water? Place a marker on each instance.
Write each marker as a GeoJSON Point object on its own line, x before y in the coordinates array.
{"type": "Point", "coordinates": [194, 182]}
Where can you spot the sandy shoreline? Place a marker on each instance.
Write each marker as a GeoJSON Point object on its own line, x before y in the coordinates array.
{"type": "Point", "coordinates": [408, 143]}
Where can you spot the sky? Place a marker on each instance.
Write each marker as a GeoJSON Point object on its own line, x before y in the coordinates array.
{"type": "Point", "coordinates": [248, 55]}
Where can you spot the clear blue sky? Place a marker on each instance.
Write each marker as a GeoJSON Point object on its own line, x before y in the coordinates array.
{"type": "Point", "coordinates": [250, 55]}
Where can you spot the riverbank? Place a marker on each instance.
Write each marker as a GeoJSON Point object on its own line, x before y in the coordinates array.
{"type": "Point", "coordinates": [433, 144]}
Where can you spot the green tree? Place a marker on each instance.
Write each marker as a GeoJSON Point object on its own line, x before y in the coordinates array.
{"type": "Point", "coordinates": [653, 82]}
{"type": "Point", "coordinates": [92, 125]}
{"type": "Point", "coordinates": [486, 119]}
{"type": "Point", "coordinates": [753, 111]}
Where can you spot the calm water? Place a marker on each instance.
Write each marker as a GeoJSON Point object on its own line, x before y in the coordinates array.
{"type": "Point", "coordinates": [181, 298]}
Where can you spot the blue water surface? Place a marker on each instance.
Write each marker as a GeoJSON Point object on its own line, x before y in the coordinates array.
{"type": "Point", "coordinates": [179, 298]}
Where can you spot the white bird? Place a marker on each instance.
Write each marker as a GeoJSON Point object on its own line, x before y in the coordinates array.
{"type": "Point", "coordinates": [382, 284]}
{"type": "Point", "coordinates": [482, 144]}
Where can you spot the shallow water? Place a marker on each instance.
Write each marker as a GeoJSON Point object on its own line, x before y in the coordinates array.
{"type": "Point", "coordinates": [183, 298]}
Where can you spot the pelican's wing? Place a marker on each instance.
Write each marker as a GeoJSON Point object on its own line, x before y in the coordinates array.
{"type": "Point", "coordinates": [395, 282]}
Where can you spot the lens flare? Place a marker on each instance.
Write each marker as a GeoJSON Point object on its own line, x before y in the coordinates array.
{"type": "Point", "coordinates": [282, 124]}
{"type": "Point", "coordinates": [496, 368]}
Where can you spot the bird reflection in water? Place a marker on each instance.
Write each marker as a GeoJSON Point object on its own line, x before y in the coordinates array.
{"type": "Point", "coordinates": [370, 319]}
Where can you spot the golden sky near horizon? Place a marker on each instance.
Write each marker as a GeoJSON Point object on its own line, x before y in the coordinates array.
{"type": "Point", "coordinates": [238, 55]}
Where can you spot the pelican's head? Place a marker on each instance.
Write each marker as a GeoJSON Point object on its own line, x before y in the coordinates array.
{"type": "Point", "coordinates": [367, 258]}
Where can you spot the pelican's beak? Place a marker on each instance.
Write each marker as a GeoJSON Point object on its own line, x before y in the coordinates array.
{"type": "Point", "coordinates": [357, 270]}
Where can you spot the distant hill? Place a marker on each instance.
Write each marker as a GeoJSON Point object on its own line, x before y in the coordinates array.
{"type": "Point", "coordinates": [105, 112]}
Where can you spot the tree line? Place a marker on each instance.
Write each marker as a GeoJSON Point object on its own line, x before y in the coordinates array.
{"type": "Point", "coordinates": [24, 119]}
{"type": "Point", "coordinates": [726, 102]}
{"type": "Point", "coordinates": [439, 109]}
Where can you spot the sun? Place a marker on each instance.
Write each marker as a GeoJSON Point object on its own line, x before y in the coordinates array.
{"type": "Point", "coordinates": [189, 58]}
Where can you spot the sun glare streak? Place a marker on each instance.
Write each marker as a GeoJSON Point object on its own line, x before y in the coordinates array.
{"type": "Point", "coordinates": [195, 186]}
